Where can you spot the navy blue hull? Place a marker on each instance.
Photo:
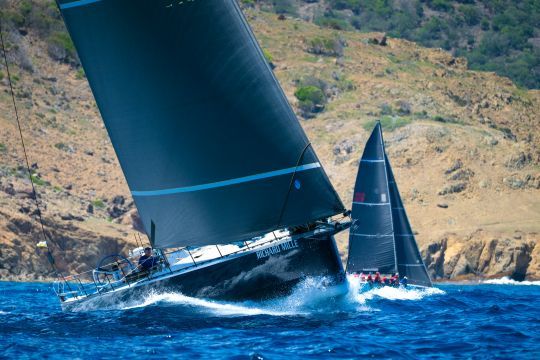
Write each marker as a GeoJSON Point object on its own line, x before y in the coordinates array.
{"type": "Point", "coordinates": [262, 276]}
{"type": "Point", "coordinates": [257, 275]}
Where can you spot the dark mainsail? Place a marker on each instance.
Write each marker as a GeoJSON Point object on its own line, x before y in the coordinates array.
{"type": "Point", "coordinates": [371, 237]}
{"type": "Point", "coordinates": [209, 145]}
{"type": "Point", "coordinates": [381, 238]}
{"type": "Point", "coordinates": [409, 260]}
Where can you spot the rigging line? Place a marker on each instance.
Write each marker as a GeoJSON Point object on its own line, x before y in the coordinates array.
{"type": "Point", "coordinates": [385, 158]}
{"type": "Point", "coordinates": [34, 193]}
{"type": "Point", "coordinates": [291, 184]}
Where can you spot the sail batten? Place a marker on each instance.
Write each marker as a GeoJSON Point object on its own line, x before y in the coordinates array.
{"type": "Point", "coordinates": [206, 139]}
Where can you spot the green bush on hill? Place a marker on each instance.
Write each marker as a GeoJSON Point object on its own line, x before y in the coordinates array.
{"type": "Point", "coordinates": [311, 99]}
{"type": "Point", "coordinates": [98, 203]}
{"type": "Point", "coordinates": [285, 7]}
{"type": "Point", "coordinates": [249, 3]}
{"type": "Point", "coordinates": [330, 46]}
{"type": "Point", "coordinates": [39, 181]}
{"type": "Point", "coordinates": [43, 19]}
{"type": "Point", "coordinates": [440, 5]}
{"type": "Point", "coordinates": [310, 93]}
{"type": "Point", "coordinates": [388, 123]}
{"type": "Point", "coordinates": [494, 35]}
{"type": "Point", "coordinates": [61, 47]}
{"type": "Point", "coordinates": [332, 23]}
{"type": "Point", "coordinates": [471, 14]}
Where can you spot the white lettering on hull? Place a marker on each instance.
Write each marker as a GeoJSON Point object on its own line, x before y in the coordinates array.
{"type": "Point", "coordinates": [289, 245]}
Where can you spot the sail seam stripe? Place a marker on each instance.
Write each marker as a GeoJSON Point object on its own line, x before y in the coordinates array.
{"type": "Point", "coordinates": [77, 4]}
{"type": "Point", "coordinates": [371, 160]}
{"type": "Point", "coordinates": [229, 182]}
{"type": "Point", "coordinates": [370, 235]}
{"type": "Point", "coordinates": [411, 264]}
{"type": "Point", "coordinates": [404, 235]}
{"type": "Point", "coordinates": [370, 204]}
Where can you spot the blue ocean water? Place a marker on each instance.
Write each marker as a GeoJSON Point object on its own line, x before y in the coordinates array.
{"type": "Point", "coordinates": [498, 320]}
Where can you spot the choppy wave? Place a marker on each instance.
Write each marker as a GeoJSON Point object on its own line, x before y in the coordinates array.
{"type": "Point", "coordinates": [507, 281]}
{"type": "Point", "coordinates": [316, 321]}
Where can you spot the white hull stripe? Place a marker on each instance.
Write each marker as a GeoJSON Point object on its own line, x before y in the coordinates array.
{"type": "Point", "coordinates": [223, 183]}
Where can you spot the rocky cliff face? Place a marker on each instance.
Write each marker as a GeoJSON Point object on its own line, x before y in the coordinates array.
{"type": "Point", "coordinates": [483, 255]}
{"type": "Point", "coordinates": [464, 146]}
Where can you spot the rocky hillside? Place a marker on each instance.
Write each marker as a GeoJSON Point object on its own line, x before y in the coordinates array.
{"type": "Point", "coordinates": [494, 35]}
{"type": "Point", "coordinates": [464, 145]}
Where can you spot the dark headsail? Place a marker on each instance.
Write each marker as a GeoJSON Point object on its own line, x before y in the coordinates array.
{"type": "Point", "coordinates": [371, 239]}
{"type": "Point", "coordinates": [209, 145]}
{"type": "Point", "coordinates": [381, 238]}
{"type": "Point", "coordinates": [409, 260]}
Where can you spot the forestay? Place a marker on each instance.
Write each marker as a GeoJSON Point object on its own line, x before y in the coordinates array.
{"type": "Point", "coordinates": [209, 145]}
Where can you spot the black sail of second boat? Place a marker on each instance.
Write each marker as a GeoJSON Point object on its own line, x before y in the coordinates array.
{"type": "Point", "coordinates": [409, 260]}
{"type": "Point", "coordinates": [381, 238]}
{"type": "Point", "coordinates": [208, 143]}
{"type": "Point", "coordinates": [371, 237]}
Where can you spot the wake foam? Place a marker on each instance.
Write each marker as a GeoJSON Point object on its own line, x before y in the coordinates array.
{"type": "Point", "coordinates": [361, 293]}
{"type": "Point", "coordinates": [311, 296]}
{"type": "Point", "coordinates": [215, 307]}
{"type": "Point", "coordinates": [507, 281]}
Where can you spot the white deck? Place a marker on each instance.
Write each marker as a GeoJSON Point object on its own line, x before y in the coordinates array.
{"type": "Point", "coordinates": [181, 261]}
{"type": "Point", "coordinates": [181, 258]}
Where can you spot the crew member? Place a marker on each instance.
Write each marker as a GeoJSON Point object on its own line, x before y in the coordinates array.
{"type": "Point", "coordinates": [395, 279]}
{"type": "Point", "coordinates": [370, 279]}
{"type": "Point", "coordinates": [404, 281]}
{"type": "Point", "coordinates": [147, 261]}
{"type": "Point", "coordinates": [377, 279]}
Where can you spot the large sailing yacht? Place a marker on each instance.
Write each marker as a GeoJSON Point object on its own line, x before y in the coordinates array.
{"type": "Point", "coordinates": [229, 189]}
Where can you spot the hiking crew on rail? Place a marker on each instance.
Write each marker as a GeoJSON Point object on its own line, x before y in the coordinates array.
{"type": "Point", "coordinates": [384, 280]}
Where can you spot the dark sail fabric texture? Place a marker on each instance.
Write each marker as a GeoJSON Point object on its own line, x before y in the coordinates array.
{"type": "Point", "coordinates": [208, 143]}
{"type": "Point", "coordinates": [371, 236]}
{"type": "Point", "coordinates": [409, 260]}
